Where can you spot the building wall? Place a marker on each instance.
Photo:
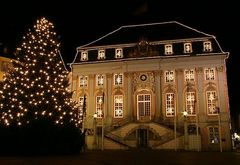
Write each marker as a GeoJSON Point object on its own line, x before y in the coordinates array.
{"type": "Point", "coordinates": [156, 86]}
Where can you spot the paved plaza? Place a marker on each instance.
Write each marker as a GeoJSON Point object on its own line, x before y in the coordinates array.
{"type": "Point", "coordinates": [129, 157]}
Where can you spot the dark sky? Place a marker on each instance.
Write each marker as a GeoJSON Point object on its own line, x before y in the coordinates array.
{"type": "Point", "coordinates": [78, 22]}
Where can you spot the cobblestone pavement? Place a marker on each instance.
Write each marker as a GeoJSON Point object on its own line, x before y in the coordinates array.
{"type": "Point", "coordinates": [129, 157]}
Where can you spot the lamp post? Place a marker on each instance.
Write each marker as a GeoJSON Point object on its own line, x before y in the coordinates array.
{"type": "Point", "coordinates": [219, 128]}
{"type": "Point", "coordinates": [185, 130]}
{"type": "Point", "coordinates": [94, 130]}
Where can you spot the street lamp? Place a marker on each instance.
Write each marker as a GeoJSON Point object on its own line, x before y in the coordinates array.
{"type": "Point", "coordinates": [185, 113]}
{"type": "Point", "coordinates": [94, 125]}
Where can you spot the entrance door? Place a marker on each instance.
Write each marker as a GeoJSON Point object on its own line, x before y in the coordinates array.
{"type": "Point", "coordinates": [144, 107]}
{"type": "Point", "coordinates": [142, 138]}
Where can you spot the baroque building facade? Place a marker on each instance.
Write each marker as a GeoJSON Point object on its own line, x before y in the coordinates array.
{"type": "Point", "coordinates": [159, 85]}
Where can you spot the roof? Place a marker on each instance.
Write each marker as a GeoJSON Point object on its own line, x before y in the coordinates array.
{"type": "Point", "coordinates": [172, 30]}
{"type": "Point", "coordinates": [155, 35]}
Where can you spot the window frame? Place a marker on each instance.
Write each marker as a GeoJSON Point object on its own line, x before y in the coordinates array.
{"type": "Point", "coordinates": [84, 55]}
{"type": "Point", "coordinates": [213, 134]}
{"type": "Point", "coordinates": [83, 81]}
{"type": "Point", "coordinates": [101, 54]}
{"type": "Point", "coordinates": [116, 76]}
{"type": "Point", "coordinates": [189, 75]}
{"type": "Point", "coordinates": [191, 103]}
{"type": "Point", "coordinates": [98, 81]}
{"type": "Point", "coordinates": [116, 53]}
{"type": "Point", "coordinates": [118, 106]}
{"type": "Point", "coordinates": [209, 74]}
{"type": "Point", "coordinates": [168, 49]}
{"type": "Point", "coordinates": [167, 76]}
{"type": "Point", "coordinates": [211, 103]}
{"type": "Point", "coordinates": [170, 104]}
{"type": "Point", "coordinates": [146, 105]}
{"type": "Point", "coordinates": [207, 46]}
{"type": "Point", "coordinates": [190, 47]}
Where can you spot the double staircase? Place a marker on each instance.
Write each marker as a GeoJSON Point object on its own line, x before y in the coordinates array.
{"type": "Point", "coordinates": [163, 132]}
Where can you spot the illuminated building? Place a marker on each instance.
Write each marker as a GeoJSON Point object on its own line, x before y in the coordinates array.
{"type": "Point", "coordinates": [159, 86]}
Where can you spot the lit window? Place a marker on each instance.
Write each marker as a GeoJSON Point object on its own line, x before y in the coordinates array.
{"type": "Point", "coordinates": [187, 48]}
{"type": "Point", "coordinates": [190, 103]}
{"type": "Point", "coordinates": [170, 104]}
{"type": "Point", "coordinates": [118, 79]}
{"type": "Point", "coordinates": [211, 102]}
{"type": "Point", "coordinates": [81, 106]}
{"type": "Point", "coordinates": [99, 80]}
{"type": "Point", "coordinates": [83, 81]}
{"type": "Point", "coordinates": [99, 106]}
{"type": "Point", "coordinates": [118, 106]}
{"type": "Point", "coordinates": [168, 49]}
{"type": "Point", "coordinates": [209, 74]}
{"type": "Point", "coordinates": [189, 75]}
{"type": "Point", "coordinates": [119, 53]}
{"type": "Point", "coordinates": [84, 56]}
{"type": "Point", "coordinates": [101, 54]}
{"type": "Point", "coordinates": [169, 76]}
{"type": "Point", "coordinates": [213, 135]}
{"type": "Point", "coordinates": [207, 46]}
{"type": "Point", "coordinates": [144, 104]}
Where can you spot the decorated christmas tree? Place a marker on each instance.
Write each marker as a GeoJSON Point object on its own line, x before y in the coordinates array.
{"type": "Point", "coordinates": [36, 87]}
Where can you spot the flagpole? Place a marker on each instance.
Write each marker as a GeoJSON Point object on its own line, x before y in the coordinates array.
{"type": "Point", "coordinates": [103, 122]}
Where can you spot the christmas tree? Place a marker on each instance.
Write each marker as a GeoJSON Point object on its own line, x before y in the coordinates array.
{"type": "Point", "coordinates": [36, 87]}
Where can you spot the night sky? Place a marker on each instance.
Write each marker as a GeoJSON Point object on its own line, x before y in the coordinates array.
{"type": "Point", "coordinates": [80, 22]}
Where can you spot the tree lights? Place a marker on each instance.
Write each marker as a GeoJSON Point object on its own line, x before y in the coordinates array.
{"type": "Point", "coordinates": [37, 85]}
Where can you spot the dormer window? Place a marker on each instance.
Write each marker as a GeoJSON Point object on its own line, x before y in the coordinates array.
{"type": "Point", "coordinates": [84, 55]}
{"type": "Point", "coordinates": [207, 46]}
{"type": "Point", "coordinates": [118, 53]}
{"type": "Point", "coordinates": [168, 49]}
{"type": "Point", "coordinates": [187, 48]}
{"type": "Point", "coordinates": [101, 54]}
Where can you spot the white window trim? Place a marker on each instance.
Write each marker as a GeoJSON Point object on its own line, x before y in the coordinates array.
{"type": "Point", "coordinates": [101, 54]}
{"type": "Point", "coordinates": [209, 47]}
{"type": "Point", "coordinates": [116, 76]}
{"type": "Point", "coordinates": [99, 107]}
{"type": "Point", "coordinates": [170, 107]}
{"type": "Point", "coordinates": [144, 101]}
{"type": "Point", "coordinates": [190, 47]}
{"type": "Point", "coordinates": [84, 55]}
{"type": "Point", "coordinates": [189, 75]}
{"type": "Point", "coordinates": [212, 102]}
{"type": "Point", "coordinates": [85, 81]}
{"type": "Point", "coordinates": [98, 81]}
{"type": "Point", "coordinates": [190, 101]}
{"type": "Point", "coordinates": [170, 78]}
{"type": "Point", "coordinates": [119, 106]}
{"type": "Point", "coordinates": [117, 55]}
{"type": "Point", "coordinates": [168, 49]}
{"type": "Point", "coordinates": [206, 75]}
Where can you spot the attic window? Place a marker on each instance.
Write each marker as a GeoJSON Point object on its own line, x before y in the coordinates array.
{"type": "Point", "coordinates": [119, 53]}
{"type": "Point", "coordinates": [187, 47]}
{"type": "Point", "coordinates": [101, 54]}
{"type": "Point", "coordinates": [168, 49]}
{"type": "Point", "coordinates": [84, 55]}
{"type": "Point", "coordinates": [207, 46]}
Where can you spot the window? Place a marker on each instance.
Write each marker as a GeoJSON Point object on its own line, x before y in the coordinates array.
{"type": "Point", "coordinates": [84, 56]}
{"type": "Point", "coordinates": [211, 102]}
{"type": "Point", "coordinates": [190, 103]}
{"type": "Point", "coordinates": [99, 80]}
{"type": "Point", "coordinates": [187, 48]}
{"type": "Point", "coordinates": [118, 106]}
{"type": "Point", "coordinates": [99, 106]}
{"type": "Point", "coordinates": [170, 104]}
{"type": "Point", "coordinates": [118, 79]}
{"type": "Point", "coordinates": [169, 76]}
{"type": "Point", "coordinates": [144, 104]}
{"type": "Point", "coordinates": [213, 135]}
{"type": "Point", "coordinates": [168, 49]}
{"type": "Point", "coordinates": [119, 53]}
{"type": "Point", "coordinates": [209, 74]}
{"type": "Point", "coordinates": [101, 54]}
{"type": "Point", "coordinates": [81, 105]}
{"type": "Point", "coordinates": [189, 75]}
{"type": "Point", "coordinates": [83, 81]}
{"type": "Point", "coordinates": [207, 46]}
